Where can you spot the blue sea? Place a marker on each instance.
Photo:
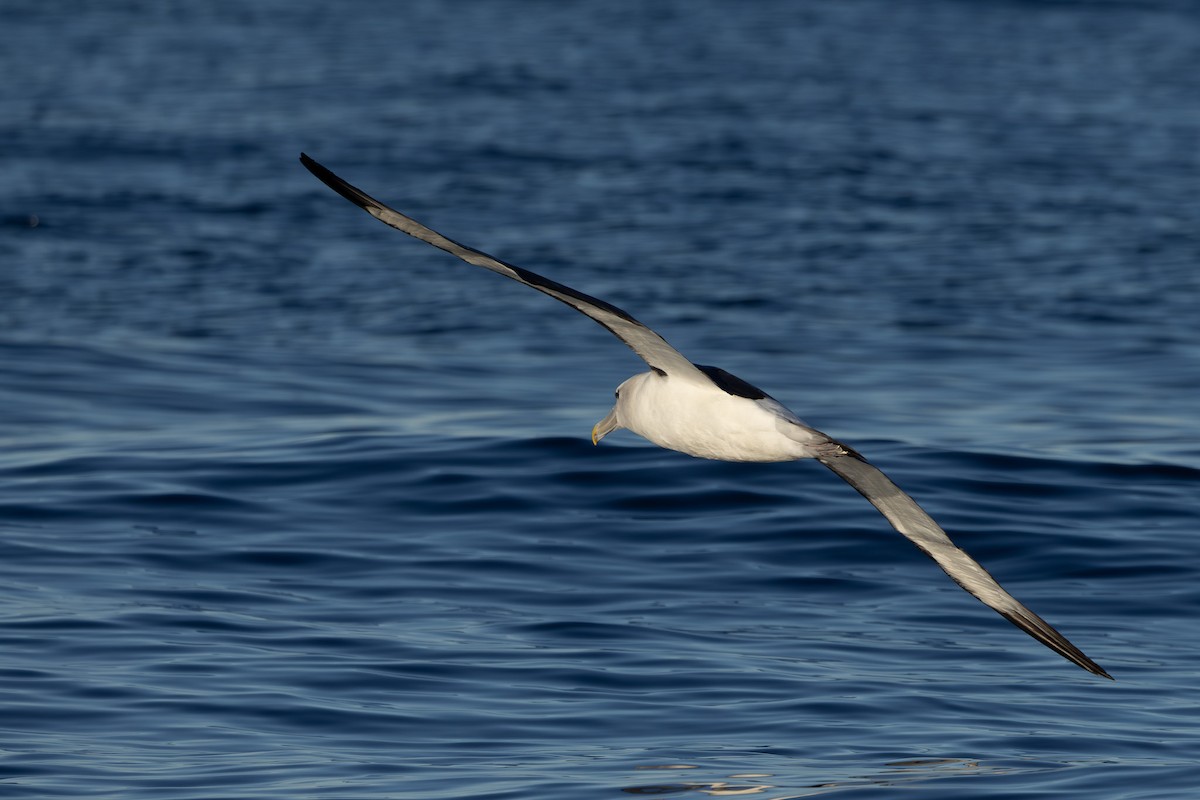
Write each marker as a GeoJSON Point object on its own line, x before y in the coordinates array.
{"type": "Point", "coordinates": [294, 506]}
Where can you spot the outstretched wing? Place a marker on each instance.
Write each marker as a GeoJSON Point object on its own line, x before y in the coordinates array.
{"type": "Point", "coordinates": [912, 521]}
{"type": "Point", "coordinates": [653, 349]}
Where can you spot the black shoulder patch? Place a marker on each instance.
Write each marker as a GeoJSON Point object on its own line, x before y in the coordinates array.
{"type": "Point", "coordinates": [732, 384]}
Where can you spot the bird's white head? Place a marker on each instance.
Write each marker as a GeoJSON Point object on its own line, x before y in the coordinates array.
{"type": "Point", "coordinates": [616, 419]}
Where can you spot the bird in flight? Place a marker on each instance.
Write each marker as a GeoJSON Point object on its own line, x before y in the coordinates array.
{"type": "Point", "coordinates": [708, 413]}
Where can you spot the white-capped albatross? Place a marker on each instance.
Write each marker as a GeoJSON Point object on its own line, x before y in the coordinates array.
{"type": "Point", "coordinates": [708, 413]}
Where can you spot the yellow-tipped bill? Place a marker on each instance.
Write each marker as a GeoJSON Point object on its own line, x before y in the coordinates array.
{"type": "Point", "coordinates": [605, 426]}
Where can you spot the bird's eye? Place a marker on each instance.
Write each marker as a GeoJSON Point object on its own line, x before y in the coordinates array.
{"type": "Point", "coordinates": [617, 394]}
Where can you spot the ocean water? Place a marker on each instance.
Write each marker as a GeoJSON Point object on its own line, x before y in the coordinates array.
{"type": "Point", "coordinates": [293, 506]}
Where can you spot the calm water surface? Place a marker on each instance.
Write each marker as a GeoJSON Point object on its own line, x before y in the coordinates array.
{"type": "Point", "coordinates": [292, 506]}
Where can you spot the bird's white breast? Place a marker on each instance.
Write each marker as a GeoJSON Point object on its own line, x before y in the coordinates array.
{"type": "Point", "coordinates": [705, 421]}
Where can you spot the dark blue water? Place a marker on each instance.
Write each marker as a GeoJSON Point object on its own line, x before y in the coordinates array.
{"type": "Point", "coordinates": [292, 506]}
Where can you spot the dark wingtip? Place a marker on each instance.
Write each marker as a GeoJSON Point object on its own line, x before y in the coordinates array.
{"type": "Point", "coordinates": [354, 195]}
{"type": "Point", "coordinates": [1096, 669]}
{"type": "Point", "coordinates": [1041, 630]}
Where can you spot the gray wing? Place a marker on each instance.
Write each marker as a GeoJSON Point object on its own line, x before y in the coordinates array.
{"type": "Point", "coordinates": [912, 521]}
{"type": "Point", "coordinates": [653, 349]}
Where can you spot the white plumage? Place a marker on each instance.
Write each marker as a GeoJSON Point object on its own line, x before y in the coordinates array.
{"type": "Point", "coordinates": [696, 417]}
{"type": "Point", "coordinates": [708, 413]}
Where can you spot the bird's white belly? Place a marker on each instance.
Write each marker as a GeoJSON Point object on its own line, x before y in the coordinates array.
{"type": "Point", "coordinates": [707, 422]}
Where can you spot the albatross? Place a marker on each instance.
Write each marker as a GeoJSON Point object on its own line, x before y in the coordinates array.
{"type": "Point", "coordinates": [708, 413]}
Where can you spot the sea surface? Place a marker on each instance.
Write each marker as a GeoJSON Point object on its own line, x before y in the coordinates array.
{"type": "Point", "coordinates": [294, 506]}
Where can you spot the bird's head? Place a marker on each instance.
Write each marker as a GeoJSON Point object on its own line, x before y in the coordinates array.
{"type": "Point", "coordinates": [615, 418]}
